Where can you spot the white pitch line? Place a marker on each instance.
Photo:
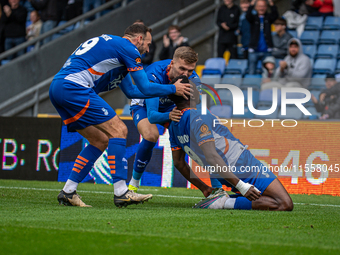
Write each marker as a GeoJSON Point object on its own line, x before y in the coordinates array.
{"type": "Point", "coordinates": [106, 192]}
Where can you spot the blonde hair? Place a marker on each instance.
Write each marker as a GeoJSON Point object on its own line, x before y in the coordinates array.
{"type": "Point", "coordinates": [187, 54]}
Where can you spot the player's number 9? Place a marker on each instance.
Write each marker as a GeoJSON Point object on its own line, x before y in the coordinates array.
{"type": "Point", "coordinates": [86, 46]}
{"type": "Point", "coordinates": [193, 155]}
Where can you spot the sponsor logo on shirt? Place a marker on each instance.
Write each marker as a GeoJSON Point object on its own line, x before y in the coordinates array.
{"type": "Point", "coordinates": [138, 60]}
{"type": "Point", "coordinates": [204, 131]}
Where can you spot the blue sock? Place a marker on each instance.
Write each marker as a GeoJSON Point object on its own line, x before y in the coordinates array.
{"type": "Point", "coordinates": [215, 183]}
{"type": "Point", "coordinates": [116, 158]}
{"type": "Point", "coordinates": [143, 156]}
{"type": "Point", "coordinates": [242, 203]}
{"type": "Point", "coordinates": [84, 163]}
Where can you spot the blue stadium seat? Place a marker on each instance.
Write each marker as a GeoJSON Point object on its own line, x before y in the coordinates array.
{"type": "Point", "coordinates": [247, 114]}
{"type": "Point", "coordinates": [214, 66]}
{"type": "Point", "coordinates": [252, 80]}
{"type": "Point", "coordinates": [314, 112]}
{"type": "Point", "coordinates": [256, 96]}
{"type": "Point", "coordinates": [292, 112]}
{"type": "Point", "coordinates": [309, 50]}
{"type": "Point", "coordinates": [317, 82]}
{"type": "Point", "coordinates": [293, 33]}
{"type": "Point", "coordinates": [211, 79]}
{"type": "Point", "coordinates": [237, 66]}
{"type": "Point", "coordinates": [234, 79]}
{"type": "Point", "coordinates": [222, 111]}
{"type": "Point", "coordinates": [327, 51]}
{"type": "Point", "coordinates": [322, 66]}
{"type": "Point", "coordinates": [226, 96]}
{"type": "Point", "coordinates": [329, 37]}
{"type": "Point", "coordinates": [337, 69]}
{"type": "Point", "coordinates": [314, 23]}
{"type": "Point", "coordinates": [270, 116]}
{"type": "Point", "coordinates": [310, 37]}
{"type": "Point", "coordinates": [266, 97]}
{"type": "Point", "coordinates": [126, 110]}
{"type": "Point", "coordinates": [331, 23]}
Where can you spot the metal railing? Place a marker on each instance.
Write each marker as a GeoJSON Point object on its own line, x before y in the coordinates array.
{"type": "Point", "coordinates": [81, 19]}
{"type": "Point", "coordinates": [38, 92]}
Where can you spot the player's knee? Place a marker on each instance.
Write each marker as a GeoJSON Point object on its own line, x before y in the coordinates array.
{"type": "Point", "coordinates": [286, 205]}
{"type": "Point", "coordinates": [151, 136]}
{"type": "Point", "coordinates": [120, 131]}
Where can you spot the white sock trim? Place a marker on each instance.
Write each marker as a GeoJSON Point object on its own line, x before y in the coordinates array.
{"type": "Point", "coordinates": [70, 186]}
{"type": "Point", "coordinates": [134, 182]}
{"type": "Point", "coordinates": [120, 188]}
{"type": "Point", "coordinates": [229, 203]}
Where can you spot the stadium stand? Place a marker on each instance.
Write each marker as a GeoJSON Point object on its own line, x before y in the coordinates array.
{"type": "Point", "coordinates": [324, 66]}
{"type": "Point", "coordinates": [329, 37]}
{"type": "Point", "coordinates": [214, 66]}
{"type": "Point", "coordinates": [331, 23]}
{"type": "Point", "coordinates": [236, 66]}
{"type": "Point", "coordinates": [222, 111]}
{"type": "Point", "coordinates": [310, 37]}
{"type": "Point", "coordinates": [309, 50]}
{"type": "Point", "coordinates": [327, 51]}
{"type": "Point", "coordinates": [314, 23]}
{"type": "Point", "coordinates": [234, 79]}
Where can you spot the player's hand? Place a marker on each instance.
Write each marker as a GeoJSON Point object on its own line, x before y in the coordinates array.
{"type": "Point", "coordinates": [175, 115]}
{"type": "Point", "coordinates": [252, 194]}
{"type": "Point", "coordinates": [183, 89]}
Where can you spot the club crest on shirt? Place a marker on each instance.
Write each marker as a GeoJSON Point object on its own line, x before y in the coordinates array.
{"type": "Point", "coordinates": [138, 60]}
{"type": "Point", "coordinates": [204, 130]}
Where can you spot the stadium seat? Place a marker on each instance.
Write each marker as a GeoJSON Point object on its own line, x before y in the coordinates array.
{"type": "Point", "coordinates": [226, 96]}
{"type": "Point", "coordinates": [266, 97]}
{"type": "Point", "coordinates": [317, 82]}
{"type": "Point", "coordinates": [222, 111]}
{"type": "Point", "coordinates": [314, 112]}
{"type": "Point", "coordinates": [327, 51]}
{"type": "Point", "coordinates": [310, 37]}
{"type": "Point", "coordinates": [211, 79]}
{"type": "Point", "coordinates": [247, 114]}
{"type": "Point", "coordinates": [314, 23]}
{"type": "Point", "coordinates": [292, 112]}
{"type": "Point", "coordinates": [309, 50]}
{"type": "Point", "coordinates": [252, 80]}
{"type": "Point", "coordinates": [214, 66]}
{"type": "Point", "coordinates": [234, 79]}
{"type": "Point", "coordinates": [256, 96]}
{"type": "Point", "coordinates": [337, 69]}
{"type": "Point", "coordinates": [322, 66]}
{"type": "Point", "coordinates": [270, 116]}
{"type": "Point", "coordinates": [126, 110]}
{"type": "Point", "coordinates": [293, 33]}
{"type": "Point", "coordinates": [331, 23]}
{"type": "Point", "coordinates": [236, 66]}
{"type": "Point", "coordinates": [329, 37]}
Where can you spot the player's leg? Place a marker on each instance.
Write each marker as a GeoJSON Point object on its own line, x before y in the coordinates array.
{"type": "Point", "coordinates": [150, 136]}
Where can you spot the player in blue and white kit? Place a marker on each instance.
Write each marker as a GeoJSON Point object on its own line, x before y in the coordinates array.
{"type": "Point", "coordinates": [101, 64]}
{"type": "Point", "coordinates": [159, 110]}
{"type": "Point", "coordinates": [214, 145]}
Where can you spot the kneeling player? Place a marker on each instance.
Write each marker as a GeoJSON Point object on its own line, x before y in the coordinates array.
{"type": "Point", "coordinates": [216, 146]}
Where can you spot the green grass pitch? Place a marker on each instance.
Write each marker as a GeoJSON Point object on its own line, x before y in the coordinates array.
{"type": "Point", "coordinates": [32, 222]}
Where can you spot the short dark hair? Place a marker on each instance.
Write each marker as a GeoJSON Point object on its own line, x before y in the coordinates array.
{"type": "Point", "coordinates": [172, 27]}
{"type": "Point", "coordinates": [280, 21]}
{"type": "Point", "coordinates": [178, 99]}
{"type": "Point", "coordinates": [136, 29]}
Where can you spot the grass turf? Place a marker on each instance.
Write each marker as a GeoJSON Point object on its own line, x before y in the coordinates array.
{"type": "Point", "coordinates": [32, 222]}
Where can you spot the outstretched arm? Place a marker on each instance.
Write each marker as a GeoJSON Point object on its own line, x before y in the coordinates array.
{"type": "Point", "coordinates": [214, 159]}
{"type": "Point", "coordinates": [154, 116]}
{"type": "Point", "coordinates": [182, 166]}
{"type": "Point", "coordinates": [156, 90]}
{"type": "Point", "coordinates": [130, 90]}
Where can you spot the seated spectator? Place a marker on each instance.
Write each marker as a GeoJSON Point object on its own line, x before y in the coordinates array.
{"type": "Point", "coordinates": [227, 20]}
{"type": "Point", "coordinates": [14, 18]}
{"type": "Point", "coordinates": [261, 44]}
{"type": "Point", "coordinates": [324, 7]}
{"type": "Point", "coordinates": [33, 30]}
{"type": "Point", "coordinates": [280, 39]}
{"type": "Point", "coordinates": [296, 69]}
{"type": "Point", "coordinates": [147, 58]}
{"type": "Point", "coordinates": [171, 42]}
{"type": "Point", "coordinates": [244, 28]}
{"type": "Point", "coordinates": [269, 76]}
{"type": "Point", "coordinates": [329, 100]}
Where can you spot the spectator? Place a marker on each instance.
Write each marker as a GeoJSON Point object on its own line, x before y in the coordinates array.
{"type": "Point", "coordinates": [307, 7]}
{"type": "Point", "coordinates": [147, 58]}
{"type": "Point", "coordinates": [73, 9]}
{"type": "Point", "coordinates": [2, 27]}
{"type": "Point", "coordinates": [244, 28]}
{"type": "Point", "coordinates": [336, 8]}
{"type": "Point", "coordinates": [280, 39]}
{"type": "Point", "coordinates": [171, 42]}
{"type": "Point", "coordinates": [269, 76]}
{"type": "Point", "coordinates": [14, 18]}
{"type": "Point", "coordinates": [33, 30]}
{"type": "Point", "coordinates": [227, 20]}
{"type": "Point", "coordinates": [260, 20]}
{"type": "Point", "coordinates": [324, 7]}
{"type": "Point", "coordinates": [88, 5]}
{"type": "Point", "coordinates": [296, 69]}
{"type": "Point", "coordinates": [51, 12]}
{"type": "Point", "coordinates": [329, 101]}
